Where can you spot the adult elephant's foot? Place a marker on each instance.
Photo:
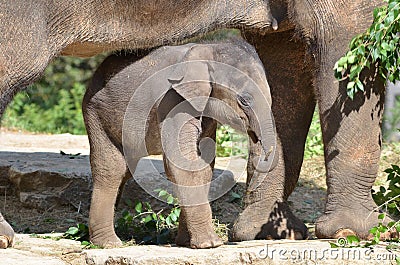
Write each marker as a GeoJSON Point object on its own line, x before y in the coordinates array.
{"type": "Point", "coordinates": [6, 234]}
{"type": "Point", "coordinates": [351, 221]}
{"type": "Point", "coordinates": [256, 222]}
{"type": "Point", "coordinates": [105, 239]}
{"type": "Point", "coordinates": [203, 239]}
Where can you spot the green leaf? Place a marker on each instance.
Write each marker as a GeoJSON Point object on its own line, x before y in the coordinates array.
{"type": "Point", "coordinates": [373, 230]}
{"type": "Point", "coordinates": [162, 193]}
{"type": "Point", "coordinates": [173, 217]}
{"type": "Point", "coordinates": [361, 50]}
{"type": "Point", "coordinates": [235, 195]}
{"type": "Point", "coordinates": [334, 245]}
{"type": "Point", "coordinates": [170, 199]}
{"type": "Point", "coordinates": [351, 59]}
{"type": "Point", "coordinates": [177, 211]}
{"type": "Point", "coordinates": [359, 85]}
{"type": "Point", "coordinates": [72, 231]}
{"type": "Point", "coordinates": [375, 240]}
{"type": "Point", "coordinates": [147, 219]}
{"type": "Point", "coordinates": [350, 93]}
{"type": "Point", "coordinates": [85, 243]}
{"type": "Point", "coordinates": [352, 239]}
{"type": "Point", "coordinates": [382, 229]}
{"type": "Point", "coordinates": [381, 216]}
{"type": "Point", "coordinates": [139, 207]}
{"type": "Point", "coordinates": [342, 61]}
{"type": "Point", "coordinates": [385, 46]}
{"type": "Point", "coordinates": [83, 227]}
{"type": "Point", "coordinates": [168, 221]}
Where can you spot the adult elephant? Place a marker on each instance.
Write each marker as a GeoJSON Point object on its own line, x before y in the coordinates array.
{"type": "Point", "coordinates": [33, 32]}
{"type": "Point", "coordinates": [299, 58]}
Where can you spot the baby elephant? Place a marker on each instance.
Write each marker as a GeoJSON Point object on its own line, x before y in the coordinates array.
{"type": "Point", "coordinates": [169, 102]}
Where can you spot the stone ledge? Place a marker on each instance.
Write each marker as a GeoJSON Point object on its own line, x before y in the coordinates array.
{"type": "Point", "coordinates": [34, 251]}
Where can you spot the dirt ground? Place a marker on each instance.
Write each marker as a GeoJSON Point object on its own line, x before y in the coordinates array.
{"type": "Point", "coordinates": [307, 201]}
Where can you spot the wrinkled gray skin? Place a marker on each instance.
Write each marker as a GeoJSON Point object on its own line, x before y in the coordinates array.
{"type": "Point", "coordinates": [33, 32]}
{"type": "Point", "coordinates": [106, 104]}
{"type": "Point", "coordinates": [299, 58]}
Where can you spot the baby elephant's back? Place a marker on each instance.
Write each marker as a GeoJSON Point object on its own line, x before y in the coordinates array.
{"type": "Point", "coordinates": [117, 79]}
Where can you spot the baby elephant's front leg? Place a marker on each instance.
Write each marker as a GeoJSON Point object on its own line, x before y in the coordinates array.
{"type": "Point", "coordinates": [191, 176]}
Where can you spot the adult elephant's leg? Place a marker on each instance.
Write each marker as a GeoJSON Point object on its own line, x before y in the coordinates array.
{"type": "Point", "coordinates": [24, 55]}
{"type": "Point", "coordinates": [352, 143]}
{"type": "Point", "coordinates": [6, 233]}
{"type": "Point", "coordinates": [12, 80]}
{"type": "Point", "coordinates": [25, 50]}
{"type": "Point", "coordinates": [289, 73]}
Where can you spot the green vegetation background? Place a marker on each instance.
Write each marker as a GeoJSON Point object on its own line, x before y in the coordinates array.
{"type": "Point", "coordinates": [54, 103]}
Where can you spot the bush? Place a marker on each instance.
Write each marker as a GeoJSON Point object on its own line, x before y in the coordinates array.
{"type": "Point", "coordinates": [380, 43]}
{"type": "Point", "coordinates": [54, 103]}
{"type": "Point", "coordinates": [314, 145]}
{"type": "Point", "coordinates": [230, 143]}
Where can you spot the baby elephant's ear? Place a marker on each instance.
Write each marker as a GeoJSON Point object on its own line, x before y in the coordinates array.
{"type": "Point", "coordinates": [192, 77]}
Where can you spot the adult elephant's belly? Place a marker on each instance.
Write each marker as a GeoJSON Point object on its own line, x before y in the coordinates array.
{"type": "Point", "coordinates": [87, 49]}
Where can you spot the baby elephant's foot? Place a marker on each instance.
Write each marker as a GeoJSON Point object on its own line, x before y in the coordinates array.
{"type": "Point", "coordinates": [203, 239]}
{"type": "Point", "coordinates": [257, 222]}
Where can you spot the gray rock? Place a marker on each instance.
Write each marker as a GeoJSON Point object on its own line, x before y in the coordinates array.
{"type": "Point", "coordinates": [44, 180]}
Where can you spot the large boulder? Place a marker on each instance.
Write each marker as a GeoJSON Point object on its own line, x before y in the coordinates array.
{"type": "Point", "coordinates": [46, 180]}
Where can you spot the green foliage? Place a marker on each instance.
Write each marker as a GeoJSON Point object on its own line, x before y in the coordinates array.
{"type": "Point", "coordinates": [54, 103]}
{"type": "Point", "coordinates": [389, 197]}
{"type": "Point", "coordinates": [230, 143]}
{"type": "Point", "coordinates": [391, 120]}
{"type": "Point", "coordinates": [348, 242]}
{"type": "Point", "coordinates": [314, 146]}
{"type": "Point", "coordinates": [148, 226]}
{"type": "Point", "coordinates": [380, 43]}
{"type": "Point", "coordinates": [80, 232]}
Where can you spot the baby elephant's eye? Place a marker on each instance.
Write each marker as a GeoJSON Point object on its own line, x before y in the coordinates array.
{"type": "Point", "coordinates": [245, 100]}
